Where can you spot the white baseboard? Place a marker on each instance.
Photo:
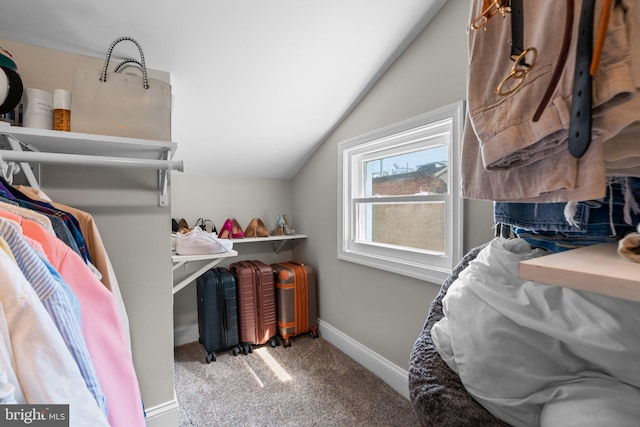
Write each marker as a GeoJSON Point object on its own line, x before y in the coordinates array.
{"type": "Point", "coordinates": [185, 334]}
{"type": "Point", "coordinates": [389, 372]}
{"type": "Point", "coordinates": [164, 414]}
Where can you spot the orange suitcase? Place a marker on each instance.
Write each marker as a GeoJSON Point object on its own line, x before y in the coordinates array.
{"type": "Point", "coordinates": [296, 300]}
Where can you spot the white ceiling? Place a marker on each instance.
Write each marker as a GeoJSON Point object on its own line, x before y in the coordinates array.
{"type": "Point", "coordinates": [257, 85]}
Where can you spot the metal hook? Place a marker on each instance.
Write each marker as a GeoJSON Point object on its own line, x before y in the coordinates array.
{"type": "Point", "coordinates": [502, 6]}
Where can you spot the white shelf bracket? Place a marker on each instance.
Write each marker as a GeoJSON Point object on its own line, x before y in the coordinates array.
{"type": "Point", "coordinates": [278, 245]}
{"type": "Point", "coordinates": [163, 182]}
{"type": "Point", "coordinates": [193, 276]}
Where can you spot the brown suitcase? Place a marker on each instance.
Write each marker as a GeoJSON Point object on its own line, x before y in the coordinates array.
{"type": "Point", "coordinates": [296, 300]}
{"type": "Point", "coordinates": [256, 304]}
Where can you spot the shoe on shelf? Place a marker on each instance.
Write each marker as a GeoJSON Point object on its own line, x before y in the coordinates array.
{"type": "Point", "coordinates": [199, 242]}
{"type": "Point", "coordinates": [236, 230]}
{"type": "Point", "coordinates": [226, 230]}
{"type": "Point", "coordinates": [206, 225]}
{"type": "Point", "coordinates": [256, 228]}
{"type": "Point", "coordinates": [279, 230]}
{"type": "Point", "coordinates": [183, 227]}
{"type": "Point", "coordinates": [209, 226]}
{"type": "Point", "coordinates": [286, 227]}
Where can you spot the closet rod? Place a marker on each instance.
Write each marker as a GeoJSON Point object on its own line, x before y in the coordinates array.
{"type": "Point", "coordinates": [89, 160]}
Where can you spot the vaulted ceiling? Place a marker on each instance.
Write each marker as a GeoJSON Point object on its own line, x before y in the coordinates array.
{"type": "Point", "coordinates": [257, 85]}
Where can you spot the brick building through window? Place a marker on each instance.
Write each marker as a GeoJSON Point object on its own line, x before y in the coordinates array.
{"type": "Point", "coordinates": [425, 220]}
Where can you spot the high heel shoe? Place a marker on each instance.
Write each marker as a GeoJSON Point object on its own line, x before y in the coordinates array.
{"type": "Point", "coordinates": [206, 225]}
{"type": "Point", "coordinates": [226, 230]}
{"type": "Point", "coordinates": [183, 227]}
{"type": "Point", "coordinates": [279, 230]}
{"type": "Point", "coordinates": [287, 228]}
{"type": "Point", "coordinates": [236, 230]}
{"type": "Point", "coordinates": [256, 228]}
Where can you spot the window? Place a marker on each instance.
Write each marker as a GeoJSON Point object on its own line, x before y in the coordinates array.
{"type": "Point", "coordinates": [399, 206]}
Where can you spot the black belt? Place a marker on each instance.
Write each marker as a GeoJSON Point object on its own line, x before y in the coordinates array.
{"type": "Point", "coordinates": [580, 124]}
{"type": "Point", "coordinates": [517, 30]}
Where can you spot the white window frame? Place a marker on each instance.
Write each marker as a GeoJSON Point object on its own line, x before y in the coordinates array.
{"type": "Point", "coordinates": [354, 152]}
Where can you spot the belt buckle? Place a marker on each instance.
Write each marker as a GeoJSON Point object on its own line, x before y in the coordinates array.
{"type": "Point", "coordinates": [518, 72]}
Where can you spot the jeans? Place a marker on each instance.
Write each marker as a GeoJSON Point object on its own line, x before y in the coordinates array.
{"type": "Point", "coordinates": [544, 225]}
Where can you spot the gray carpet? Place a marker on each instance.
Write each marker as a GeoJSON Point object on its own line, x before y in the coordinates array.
{"type": "Point", "coordinates": [311, 383]}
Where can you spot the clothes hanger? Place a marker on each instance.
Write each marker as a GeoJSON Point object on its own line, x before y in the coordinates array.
{"type": "Point", "coordinates": [8, 169]}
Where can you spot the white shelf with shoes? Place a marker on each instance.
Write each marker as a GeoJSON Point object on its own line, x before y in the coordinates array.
{"type": "Point", "coordinates": [212, 261]}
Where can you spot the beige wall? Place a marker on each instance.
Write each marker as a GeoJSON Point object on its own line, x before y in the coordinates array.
{"type": "Point", "coordinates": [381, 310]}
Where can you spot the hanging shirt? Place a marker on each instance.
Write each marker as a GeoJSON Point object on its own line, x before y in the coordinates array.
{"type": "Point", "coordinates": [96, 248]}
{"type": "Point", "coordinates": [54, 299]}
{"type": "Point", "coordinates": [43, 207]}
{"type": "Point", "coordinates": [102, 330]}
{"type": "Point", "coordinates": [44, 368]}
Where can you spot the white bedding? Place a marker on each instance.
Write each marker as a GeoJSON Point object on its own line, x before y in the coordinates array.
{"type": "Point", "coordinates": [535, 354]}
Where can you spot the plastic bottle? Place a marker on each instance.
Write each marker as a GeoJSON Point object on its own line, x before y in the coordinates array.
{"type": "Point", "coordinates": [61, 110]}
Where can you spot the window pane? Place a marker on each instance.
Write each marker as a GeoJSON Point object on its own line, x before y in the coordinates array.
{"type": "Point", "coordinates": [419, 172]}
{"type": "Point", "coordinates": [411, 225]}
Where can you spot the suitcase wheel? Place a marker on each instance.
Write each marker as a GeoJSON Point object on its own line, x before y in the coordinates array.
{"type": "Point", "coordinates": [286, 343]}
{"type": "Point", "coordinates": [236, 351]}
{"type": "Point", "coordinates": [313, 335]}
{"type": "Point", "coordinates": [246, 349]}
{"type": "Point", "coordinates": [273, 342]}
{"type": "Point", "coordinates": [211, 357]}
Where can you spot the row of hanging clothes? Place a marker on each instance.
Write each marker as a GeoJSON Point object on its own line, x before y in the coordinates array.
{"type": "Point", "coordinates": [553, 120]}
{"type": "Point", "coordinates": [63, 325]}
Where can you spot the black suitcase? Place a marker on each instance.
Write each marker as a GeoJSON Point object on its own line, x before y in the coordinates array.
{"type": "Point", "coordinates": [217, 312]}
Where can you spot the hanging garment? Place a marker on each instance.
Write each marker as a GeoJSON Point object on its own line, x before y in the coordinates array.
{"type": "Point", "coordinates": [10, 389]}
{"type": "Point", "coordinates": [559, 178]}
{"type": "Point", "coordinates": [41, 219]}
{"type": "Point", "coordinates": [53, 298]}
{"type": "Point", "coordinates": [102, 331]}
{"type": "Point", "coordinates": [88, 228]}
{"type": "Point", "coordinates": [96, 248]}
{"type": "Point", "coordinates": [508, 136]}
{"type": "Point", "coordinates": [525, 160]}
{"type": "Point", "coordinates": [545, 225]}
{"type": "Point", "coordinates": [46, 208]}
{"type": "Point", "coordinates": [45, 371]}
